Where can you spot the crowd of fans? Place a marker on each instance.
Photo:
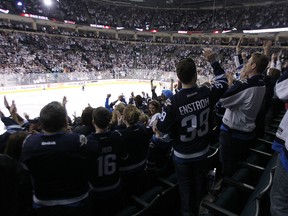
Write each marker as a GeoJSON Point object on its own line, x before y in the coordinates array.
{"type": "Point", "coordinates": [24, 55]}
{"type": "Point", "coordinates": [89, 12]}
{"type": "Point", "coordinates": [125, 148]}
{"type": "Point", "coordinates": [106, 137]}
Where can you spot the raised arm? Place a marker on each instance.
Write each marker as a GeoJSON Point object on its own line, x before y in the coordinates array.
{"type": "Point", "coordinates": [107, 105]}
{"type": "Point", "coordinates": [153, 88]}
{"type": "Point", "coordinates": [171, 85]}
{"type": "Point", "coordinates": [13, 112]}
{"type": "Point", "coordinates": [278, 61]}
{"type": "Point", "coordinates": [238, 57]}
{"type": "Point", "coordinates": [267, 47]}
{"type": "Point", "coordinates": [211, 58]}
{"type": "Point", "coordinates": [220, 83]}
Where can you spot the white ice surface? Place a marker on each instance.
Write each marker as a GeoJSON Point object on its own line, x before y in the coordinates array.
{"type": "Point", "coordinates": [32, 102]}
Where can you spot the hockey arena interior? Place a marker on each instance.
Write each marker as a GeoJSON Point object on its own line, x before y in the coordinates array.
{"type": "Point", "coordinates": [143, 107]}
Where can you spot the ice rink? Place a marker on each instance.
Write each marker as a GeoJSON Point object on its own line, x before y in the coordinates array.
{"type": "Point", "coordinates": [32, 102]}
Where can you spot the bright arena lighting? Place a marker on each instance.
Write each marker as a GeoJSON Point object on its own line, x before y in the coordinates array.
{"type": "Point", "coordinates": [19, 3]}
{"type": "Point", "coordinates": [47, 2]}
{"type": "Point", "coordinates": [266, 30]}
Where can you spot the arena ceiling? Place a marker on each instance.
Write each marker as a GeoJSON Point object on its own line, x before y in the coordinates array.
{"type": "Point", "coordinates": [190, 3]}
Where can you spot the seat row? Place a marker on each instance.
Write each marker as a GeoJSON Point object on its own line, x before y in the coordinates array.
{"type": "Point", "coordinates": [246, 193]}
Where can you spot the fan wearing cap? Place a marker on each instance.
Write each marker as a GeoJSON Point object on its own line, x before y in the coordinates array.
{"type": "Point", "coordinates": [166, 94]}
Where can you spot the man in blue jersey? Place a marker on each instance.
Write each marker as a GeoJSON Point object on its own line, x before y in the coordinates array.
{"type": "Point", "coordinates": [242, 102]}
{"type": "Point", "coordinates": [103, 155]}
{"type": "Point", "coordinates": [279, 191]}
{"type": "Point", "coordinates": [57, 165]}
{"type": "Point", "coordinates": [185, 118]}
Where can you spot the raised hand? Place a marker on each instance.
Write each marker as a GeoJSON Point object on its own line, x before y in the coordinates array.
{"type": "Point", "coordinates": [26, 115]}
{"type": "Point", "coordinates": [13, 108]}
{"type": "Point", "coordinates": [267, 47]}
{"type": "Point", "coordinates": [64, 101]}
{"type": "Point", "coordinates": [279, 55]}
{"type": "Point", "coordinates": [238, 47]}
{"type": "Point", "coordinates": [274, 57]}
{"type": "Point", "coordinates": [244, 57]}
{"type": "Point", "coordinates": [209, 55]}
{"type": "Point", "coordinates": [6, 104]}
{"type": "Point", "coordinates": [230, 78]}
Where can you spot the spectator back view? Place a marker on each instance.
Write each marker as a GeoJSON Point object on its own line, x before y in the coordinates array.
{"type": "Point", "coordinates": [103, 155]}
{"type": "Point", "coordinates": [57, 165]}
{"type": "Point", "coordinates": [134, 142]}
{"type": "Point", "coordinates": [86, 126]}
{"type": "Point", "coordinates": [185, 117]}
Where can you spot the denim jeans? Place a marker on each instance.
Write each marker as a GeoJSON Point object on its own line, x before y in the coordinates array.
{"type": "Point", "coordinates": [279, 191]}
{"type": "Point", "coordinates": [191, 178]}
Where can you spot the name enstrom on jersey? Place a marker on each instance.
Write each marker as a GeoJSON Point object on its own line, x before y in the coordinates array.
{"type": "Point", "coordinates": [196, 105]}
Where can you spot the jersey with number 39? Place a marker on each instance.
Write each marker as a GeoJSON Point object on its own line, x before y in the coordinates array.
{"type": "Point", "coordinates": [185, 118]}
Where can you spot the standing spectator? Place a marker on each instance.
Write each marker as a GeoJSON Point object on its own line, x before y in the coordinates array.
{"type": "Point", "coordinates": [85, 127]}
{"type": "Point", "coordinates": [185, 118]}
{"type": "Point", "coordinates": [110, 106]}
{"type": "Point", "coordinates": [141, 104]}
{"type": "Point", "coordinates": [158, 155]}
{"type": "Point", "coordinates": [154, 111]}
{"type": "Point", "coordinates": [116, 120]}
{"type": "Point", "coordinates": [242, 102]}
{"type": "Point", "coordinates": [279, 191]}
{"type": "Point", "coordinates": [57, 166]}
{"type": "Point", "coordinates": [103, 157]}
{"type": "Point", "coordinates": [134, 142]}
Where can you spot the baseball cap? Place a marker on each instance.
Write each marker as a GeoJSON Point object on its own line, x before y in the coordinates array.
{"type": "Point", "coordinates": [167, 93]}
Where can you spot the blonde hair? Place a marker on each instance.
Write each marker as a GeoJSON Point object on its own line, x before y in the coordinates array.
{"type": "Point", "coordinates": [118, 108]}
{"type": "Point", "coordinates": [131, 114]}
{"type": "Point", "coordinates": [143, 118]}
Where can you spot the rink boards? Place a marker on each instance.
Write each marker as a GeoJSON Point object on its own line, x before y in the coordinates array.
{"type": "Point", "coordinates": [52, 86]}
